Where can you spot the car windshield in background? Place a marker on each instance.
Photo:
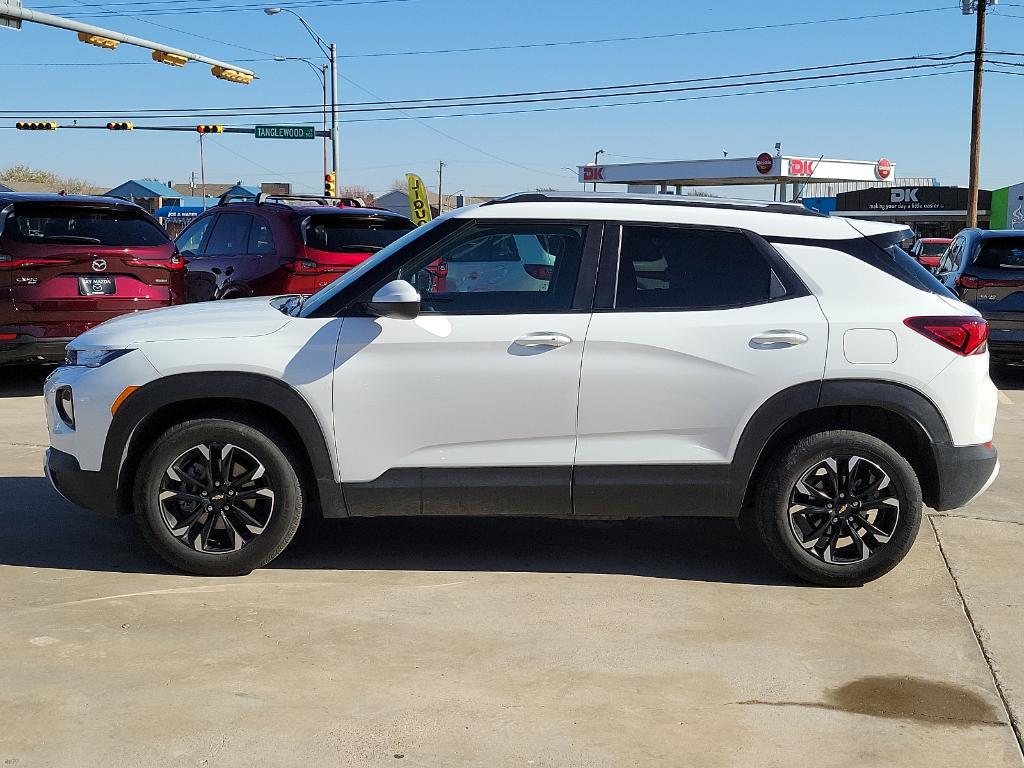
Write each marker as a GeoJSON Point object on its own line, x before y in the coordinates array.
{"type": "Point", "coordinates": [345, 234]}
{"type": "Point", "coordinates": [1001, 253]}
{"type": "Point", "coordinates": [77, 225]}
{"type": "Point", "coordinates": [933, 249]}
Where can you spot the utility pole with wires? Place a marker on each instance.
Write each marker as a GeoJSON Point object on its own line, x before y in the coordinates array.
{"type": "Point", "coordinates": [440, 190]}
{"type": "Point", "coordinates": [978, 7]}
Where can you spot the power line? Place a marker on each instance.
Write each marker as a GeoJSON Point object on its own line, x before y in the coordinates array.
{"type": "Point", "coordinates": [626, 89]}
{"type": "Point", "coordinates": [606, 105]}
{"type": "Point", "coordinates": [176, 11]}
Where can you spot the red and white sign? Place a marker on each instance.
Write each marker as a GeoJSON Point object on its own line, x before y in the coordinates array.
{"type": "Point", "coordinates": [799, 167]}
{"type": "Point", "coordinates": [764, 163]}
{"type": "Point", "coordinates": [593, 173]}
{"type": "Point", "coordinates": [883, 169]}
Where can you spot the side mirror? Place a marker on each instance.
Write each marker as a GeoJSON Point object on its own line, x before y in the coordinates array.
{"type": "Point", "coordinates": [398, 300]}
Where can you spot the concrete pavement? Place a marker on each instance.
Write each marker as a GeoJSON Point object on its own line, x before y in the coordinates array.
{"type": "Point", "coordinates": [501, 642]}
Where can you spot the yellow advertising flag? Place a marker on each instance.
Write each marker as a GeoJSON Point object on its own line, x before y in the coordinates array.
{"type": "Point", "coordinates": [419, 205]}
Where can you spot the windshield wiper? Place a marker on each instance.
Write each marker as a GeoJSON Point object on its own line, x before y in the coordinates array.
{"type": "Point", "coordinates": [72, 239]}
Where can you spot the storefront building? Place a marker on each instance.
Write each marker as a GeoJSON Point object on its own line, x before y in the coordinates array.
{"type": "Point", "coordinates": [930, 211]}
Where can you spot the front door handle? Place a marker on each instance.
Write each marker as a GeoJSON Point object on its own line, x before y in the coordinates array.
{"type": "Point", "coordinates": [543, 339]}
{"type": "Point", "coordinates": [779, 339]}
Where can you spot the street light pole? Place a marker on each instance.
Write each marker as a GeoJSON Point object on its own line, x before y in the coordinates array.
{"type": "Point", "coordinates": [321, 73]}
{"type": "Point", "coordinates": [440, 193]}
{"type": "Point", "coordinates": [330, 50]}
{"type": "Point", "coordinates": [979, 68]}
{"type": "Point", "coordinates": [596, 156]}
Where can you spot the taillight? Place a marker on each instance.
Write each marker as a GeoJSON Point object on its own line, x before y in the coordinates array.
{"type": "Point", "coordinates": [971, 281]}
{"type": "Point", "coordinates": [176, 262]}
{"type": "Point", "coordinates": [963, 335]}
{"type": "Point", "coordinates": [539, 271]}
{"type": "Point", "coordinates": [8, 262]}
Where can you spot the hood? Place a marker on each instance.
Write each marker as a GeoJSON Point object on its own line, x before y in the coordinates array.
{"type": "Point", "coordinates": [234, 318]}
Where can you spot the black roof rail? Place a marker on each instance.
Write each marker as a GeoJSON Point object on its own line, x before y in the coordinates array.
{"type": "Point", "coordinates": [687, 201]}
{"type": "Point", "coordinates": [264, 198]}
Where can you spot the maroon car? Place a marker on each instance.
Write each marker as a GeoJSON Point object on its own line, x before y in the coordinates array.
{"type": "Point", "coordinates": [272, 246]}
{"type": "Point", "coordinates": [68, 263]}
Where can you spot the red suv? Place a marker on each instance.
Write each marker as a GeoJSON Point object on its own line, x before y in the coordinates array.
{"type": "Point", "coordinates": [273, 246]}
{"type": "Point", "coordinates": [68, 263]}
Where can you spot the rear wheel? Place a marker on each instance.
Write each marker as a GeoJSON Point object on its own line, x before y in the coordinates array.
{"type": "Point", "coordinates": [217, 497]}
{"type": "Point", "coordinates": [839, 508]}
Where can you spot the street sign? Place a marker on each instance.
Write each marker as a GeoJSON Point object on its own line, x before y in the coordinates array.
{"type": "Point", "coordinates": [285, 132]}
{"type": "Point", "coordinates": [9, 21]}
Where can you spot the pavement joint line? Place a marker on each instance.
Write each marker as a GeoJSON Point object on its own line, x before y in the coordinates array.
{"type": "Point", "coordinates": [975, 517]}
{"type": "Point", "coordinates": [1014, 725]}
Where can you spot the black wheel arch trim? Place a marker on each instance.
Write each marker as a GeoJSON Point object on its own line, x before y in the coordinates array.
{"type": "Point", "coordinates": [789, 404]}
{"type": "Point", "coordinates": [249, 388]}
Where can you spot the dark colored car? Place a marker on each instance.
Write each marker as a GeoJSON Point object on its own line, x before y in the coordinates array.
{"type": "Point", "coordinates": [928, 251]}
{"type": "Point", "coordinates": [985, 268]}
{"type": "Point", "coordinates": [68, 263]}
{"type": "Point", "coordinates": [267, 246]}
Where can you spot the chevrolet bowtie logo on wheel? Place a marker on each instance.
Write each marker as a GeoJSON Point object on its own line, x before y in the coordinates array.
{"type": "Point", "coordinates": [99, 265]}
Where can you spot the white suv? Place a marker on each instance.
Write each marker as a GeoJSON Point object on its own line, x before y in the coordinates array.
{"type": "Point", "coordinates": [677, 356]}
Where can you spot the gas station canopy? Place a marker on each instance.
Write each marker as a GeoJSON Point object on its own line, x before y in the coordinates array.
{"type": "Point", "coordinates": [763, 169]}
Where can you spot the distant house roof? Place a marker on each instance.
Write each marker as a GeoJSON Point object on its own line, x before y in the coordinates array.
{"type": "Point", "coordinates": [143, 189]}
{"type": "Point", "coordinates": [397, 200]}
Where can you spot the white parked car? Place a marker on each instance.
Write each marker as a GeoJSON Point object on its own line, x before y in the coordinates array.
{"type": "Point", "coordinates": [678, 357]}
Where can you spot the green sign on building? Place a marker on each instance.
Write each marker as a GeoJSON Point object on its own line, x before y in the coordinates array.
{"type": "Point", "coordinates": [285, 132]}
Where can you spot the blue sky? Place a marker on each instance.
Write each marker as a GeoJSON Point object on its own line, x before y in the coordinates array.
{"type": "Point", "coordinates": [922, 125]}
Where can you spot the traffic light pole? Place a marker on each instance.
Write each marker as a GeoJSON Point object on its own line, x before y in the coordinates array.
{"type": "Point", "coordinates": [335, 149]}
{"type": "Point", "coordinates": [979, 69]}
{"type": "Point", "coordinates": [15, 12]}
{"type": "Point", "coordinates": [202, 168]}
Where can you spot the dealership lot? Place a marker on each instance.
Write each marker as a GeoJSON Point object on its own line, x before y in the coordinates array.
{"type": "Point", "coordinates": [468, 642]}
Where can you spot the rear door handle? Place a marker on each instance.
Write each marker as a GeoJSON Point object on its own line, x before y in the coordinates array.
{"type": "Point", "coordinates": [781, 339]}
{"type": "Point", "coordinates": [543, 339]}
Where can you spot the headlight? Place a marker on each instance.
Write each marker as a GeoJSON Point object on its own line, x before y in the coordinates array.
{"type": "Point", "coordinates": [93, 358]}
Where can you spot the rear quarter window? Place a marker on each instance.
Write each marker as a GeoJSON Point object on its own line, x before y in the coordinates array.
{"type": "Point", "coordinates": [81, 225]}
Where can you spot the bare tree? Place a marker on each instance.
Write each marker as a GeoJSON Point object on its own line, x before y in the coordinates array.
{"type": "Point", "coordinates": [69, 184]}
{"type": "Point", "coordinates": [357, 190]}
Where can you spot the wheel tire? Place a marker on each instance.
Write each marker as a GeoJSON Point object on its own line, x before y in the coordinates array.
{"type": "Point", "coordinates": [280, 476]}
{"type": "Point", "coordinates": [791, 465]}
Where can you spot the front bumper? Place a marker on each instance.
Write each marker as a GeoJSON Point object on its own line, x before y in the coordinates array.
{"type": "Point", "coordinates": [964, 473]}
{"type": "Point", "coordinates": [93, 490]}
{"type": "Point", "coordinates": [30, 349]}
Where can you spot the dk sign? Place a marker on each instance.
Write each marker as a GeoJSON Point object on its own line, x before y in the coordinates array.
{"type": "Point", "coordinates": [285, 132]}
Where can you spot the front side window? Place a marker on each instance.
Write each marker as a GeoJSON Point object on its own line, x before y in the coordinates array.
{"type": "Point", "coordinates": [230, 236]}
{"type": "Point", "coordinates": [191, 240]}
{"type": "Point", "coordinates": [676, 268]}
{"type": "Point", "coordinates": [500, 269]}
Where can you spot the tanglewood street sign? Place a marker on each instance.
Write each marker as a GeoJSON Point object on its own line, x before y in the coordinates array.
{"type": "Point", "coordinates": [285, 132]}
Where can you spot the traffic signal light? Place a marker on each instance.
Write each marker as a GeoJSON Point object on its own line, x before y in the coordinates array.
{"type": "Point", "coordinates": [99, 42]}
{"type": "Point", "coordinates": [171, 59]}
{"type": "Point", "coordinates": [329, 188]}
{"type": "Point", "coordinates": [121, 126]}
{"type": "Point", "coordinates": [233, 75]}
{"type": "Point", "coordinates": [36, 126]}
{"type": "Point", "coordinates": [210, 128]}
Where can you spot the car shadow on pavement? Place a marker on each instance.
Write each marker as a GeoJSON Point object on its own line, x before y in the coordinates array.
{"type": "Point", "coordinates": [1008, 377]}
{"type": "Point", "coordinates": [23, 380]}
{"type": "Point", "coordinates": [38, 529]}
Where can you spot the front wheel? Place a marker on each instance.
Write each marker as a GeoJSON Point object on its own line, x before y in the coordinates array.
{"type": "Point", "coordinates": [839, 508]}
{"type": "Point", "coordinates": [217, 497]}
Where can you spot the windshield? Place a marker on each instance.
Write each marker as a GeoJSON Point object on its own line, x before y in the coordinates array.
{"type": "Point", "coordinates": [933, 249]}
{"type": "Point", "coordinates": [327, 292]}
{"type": "Point", "coordinates": [344, 234]}
{"type": "Point", "coordinates": [78, 225]}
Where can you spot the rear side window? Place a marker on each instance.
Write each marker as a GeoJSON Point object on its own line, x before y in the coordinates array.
{"type": "Point", "coordinates": [689, 268]}
{"type": "Point", "coordinates": [230, 236]}
{"type": "Point", "coordinates": [1001, 253]}
{"type": "Point", "coordinates": [81, 225]}
{"type": "Point", "coordinates": [352, 234]}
